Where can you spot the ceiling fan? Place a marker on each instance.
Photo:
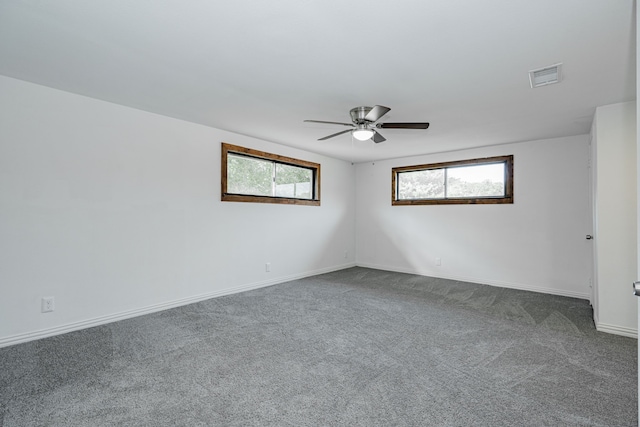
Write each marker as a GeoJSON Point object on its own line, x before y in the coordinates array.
{"type": "Point", "coordinates": [364, 124]}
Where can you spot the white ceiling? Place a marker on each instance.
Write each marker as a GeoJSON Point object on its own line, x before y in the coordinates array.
{"type": "Point", "coordinates": [260, 68]}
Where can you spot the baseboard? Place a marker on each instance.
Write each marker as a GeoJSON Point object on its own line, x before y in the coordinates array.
{"type": "Point", "coordinates": [510, 285]}
{"type": "Point", "coordinates": [617, 330]}
{"type": "Point", "coordinates": [102, 320]}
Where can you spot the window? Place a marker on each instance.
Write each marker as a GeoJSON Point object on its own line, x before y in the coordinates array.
{"type": "Point", "coordinates": [255, 176]}
{"type": "Point", "coordinates": [488, 180]}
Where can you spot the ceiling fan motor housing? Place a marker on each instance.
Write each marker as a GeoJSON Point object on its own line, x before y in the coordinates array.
{"type": "Point", "coordinates": [358, 114]}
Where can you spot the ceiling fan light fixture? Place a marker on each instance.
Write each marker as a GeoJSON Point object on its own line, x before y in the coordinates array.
{"type": "Point", "coordinates": [362, 134]}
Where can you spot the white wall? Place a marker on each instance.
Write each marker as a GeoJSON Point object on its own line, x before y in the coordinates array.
{"type": "Point", "coordinates": [538, 243]}
{"type": "Point", "coordinates": [615, 195]}
{"type": "Point", "coordinates": [116, 212]}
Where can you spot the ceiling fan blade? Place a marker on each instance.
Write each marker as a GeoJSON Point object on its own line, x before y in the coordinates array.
{"type": "Point", "coordinates": [377, 138]}
{"type": "Point", "coordinates": [376, 112]}
{"type": "Point", "coordinates": [402, 125]}
{"type": "Point", "coordinates": [335, 134]}
{"type": "Point", "coordinates": [329, 123]}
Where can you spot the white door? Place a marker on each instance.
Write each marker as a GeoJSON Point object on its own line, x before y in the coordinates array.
{"type": "Point", "coordinates": [638, 190]}
{"type": "Point", "coordinates": [593, 280]}
{"type": "Point", "coordinates": [638, 182]}
{"type": "Point", "coordinates": [638, 235]}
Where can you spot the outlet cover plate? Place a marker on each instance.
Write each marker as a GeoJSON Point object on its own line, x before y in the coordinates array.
{"type": "Point", "coordinates": [48, 304]}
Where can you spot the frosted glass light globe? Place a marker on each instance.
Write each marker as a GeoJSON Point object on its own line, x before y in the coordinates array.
{"type": "Point", "coordinates": [362, 134]}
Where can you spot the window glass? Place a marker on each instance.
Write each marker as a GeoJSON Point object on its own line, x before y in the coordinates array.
{"type": "Point", "coordinates": [248, 175]}
{"type": "Point", "coordinates": [424, 184]}
{"type": "Point", "coordinates": [293, 181]}
{"type": "Point", "coordinates": [476, 181]}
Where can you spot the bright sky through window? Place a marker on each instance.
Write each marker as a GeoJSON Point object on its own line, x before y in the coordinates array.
{"type": "Point", "coordinates": [480, 173]}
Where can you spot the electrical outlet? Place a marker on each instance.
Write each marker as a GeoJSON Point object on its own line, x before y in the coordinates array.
{"type": "Point", "coordinates": [267, 267]}
{"type": "Point", "coordinates": [438, 262]}
{"type": "Point", "coordinates": [48, 304]}
{"type": "Point", "coordinates": [346, 254]}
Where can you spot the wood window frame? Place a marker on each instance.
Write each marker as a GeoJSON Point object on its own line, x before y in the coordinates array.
{"type": "Point", "coordinates": [276, 158]}
{"type": "Point", "coordinates": [506, 199]}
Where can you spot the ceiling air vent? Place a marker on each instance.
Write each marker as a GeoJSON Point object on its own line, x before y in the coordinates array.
{"type": "Point", "coordinates": [545, 76]}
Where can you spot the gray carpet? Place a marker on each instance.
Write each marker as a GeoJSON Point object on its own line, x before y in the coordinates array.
{"type": "Point", "coordinates": [358, 347]}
